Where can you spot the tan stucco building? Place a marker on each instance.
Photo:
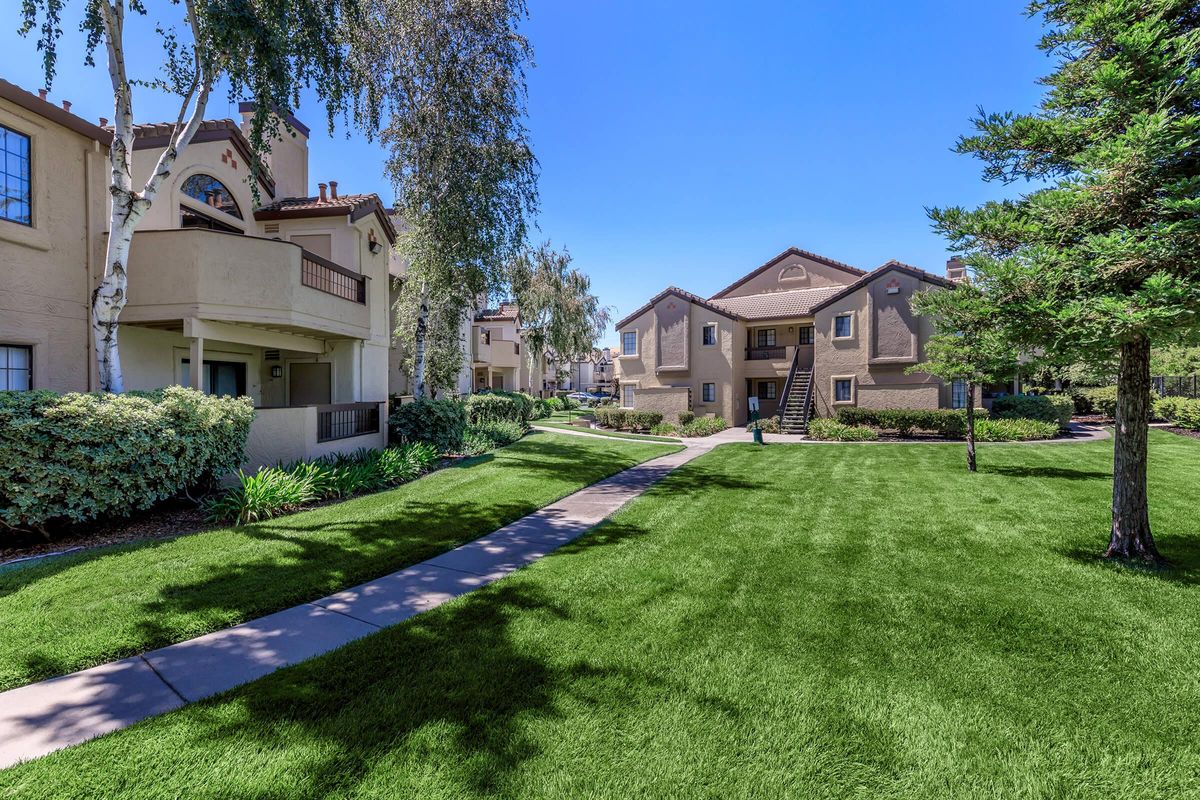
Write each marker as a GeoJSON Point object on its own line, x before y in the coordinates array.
{"type": "Point", "coordinates": [282, 297]}
{"type": "Point", "coordinates": [803, 334]}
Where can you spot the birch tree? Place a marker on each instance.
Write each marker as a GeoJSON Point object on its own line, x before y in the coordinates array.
{"type": "Point", "coordinates": [556, 310]}
{"type": "Point", "coordinates": [264, 50]}
{"type": "Point", "coordinates": [1101, 259]}
{"type": "Point", "coordinates": [450, 77]}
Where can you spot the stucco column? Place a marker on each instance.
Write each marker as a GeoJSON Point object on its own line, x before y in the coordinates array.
{"type": "Point", "coordinates": [195, 368]}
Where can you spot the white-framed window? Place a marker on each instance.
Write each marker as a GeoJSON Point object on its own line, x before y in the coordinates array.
{"type": "Point", "coordinates": [16, 185]}
{"type": "Point", "coordinates": [16, 367]}
{"type": "Point", "coordinates": [710, 334]}
{"type": "Point", "coordinates": [627, 396]}
{"type": "Point", "coordinates": [843, 326]}
{"type": "Point", "coordinates": [766, 390]}
{"type": "Point", "coordinates": [708, 393]}
{"type": "Point", "coordinates": [629, 343]}
{"type": "Point", "coordinates": [958, 394]}
{"type": "Point", "coordinates": [843, 390]}
{"type": "Point", "coordinates": [766, 337]}
{"type": "Point", "coordinates": [806, 334]}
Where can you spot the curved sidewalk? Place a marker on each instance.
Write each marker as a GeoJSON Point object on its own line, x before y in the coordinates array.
{"type": "Point", "coordinates": [60, 712]}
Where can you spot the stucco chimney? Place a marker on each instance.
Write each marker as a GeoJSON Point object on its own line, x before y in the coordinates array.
{"type": "Point", "coordinates": [66, 105]}
{"type": "Point", "coordinates": [321, 188]}
{"type": "Point", "coordinates": [955, 269]}
{"type": "Point", "coordinates": [42, 93]}
{"type": "Point", "coordinates": [104, 122]}
{"type": "Point", "coordinates": [333, 190]}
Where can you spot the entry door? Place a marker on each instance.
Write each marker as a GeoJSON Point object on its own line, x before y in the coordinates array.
{"type": "Point", "coordinates": [309, 384]}
{"type": "Point", "coordinates": [498, 382]}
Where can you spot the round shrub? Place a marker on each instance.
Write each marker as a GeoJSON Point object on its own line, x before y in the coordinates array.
{"type": "Point", "coordinates": [76, 457]}
{"type": "Point", "coordinates": [500, 434]}
{"type": "Point", "coordinates": [439, 422]}
{"type": "Point", "coordinates": [500, 407]}
{"type": "Point", "coordinates": [686, 416]}
{"type": "Point", "coordinates": [766, 425]}
{"type": "Point", "coordinates": [554, 404]}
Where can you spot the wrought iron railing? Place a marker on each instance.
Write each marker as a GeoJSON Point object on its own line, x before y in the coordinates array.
{"type": "Point", "coordinates": [766, 353]}
{"type": "Point", "coordinates": [345, 420]}
{"type": "Point", "coordinates": [326, 276]}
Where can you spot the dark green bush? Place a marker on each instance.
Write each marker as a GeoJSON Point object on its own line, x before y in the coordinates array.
{"type": "Point", "coordinates": [541, 409]}
{"type": "Point", "coordinates": [1014, 430]}
{"type": "Point", "coordinates": [554, 403]}
{"type": "Point", "coordinates": [766, 425]}
{"type": "Point", "coordinates": [832, 430]}
{"type": "Point", "coordinates": [439, 422]}
{"type": "Point", "coordinates": [1100, 400]}
{"type": "Point", "coordinates": [951, 423]}
{"type": "Point", "coordinates": [500, 434]}
{"type": "Point", "coordinates": [500, 407]}
{"type": "Point", "coordinates": [643, 420]}
{"type": "Point", "coordinates": [1047, 408]}
{"type": "Point", "coordinates": [686, 416]}
{"type": "Point", "coordinates": [704, 426]}
{"type": "Point", "coordinates": [613, 417]}
{"type": "Point", "coordinates": [76, 457]}
{"type": "Point", "coordinates": [1183, 412]}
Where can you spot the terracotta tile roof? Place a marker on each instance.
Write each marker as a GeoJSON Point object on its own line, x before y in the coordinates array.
{"type": "Point", "coordinates": [675, 290]}
{"type": "Point", "coordinates": [774, 305]}
{"type": "Point", "coordinates": [147, 129]}
{"type": "Point", "coordinates": [356, 205]}
{"type": "Point", "coordinates": [506, 311]}
{"type": "Point", "coordinates": [158, 134]}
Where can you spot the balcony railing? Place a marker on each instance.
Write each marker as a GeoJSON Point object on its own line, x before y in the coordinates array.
{"type": "Point", "coordinates": [766, 353]}
{"type": "Point", "coordinates": [346, 420]}
{"type": "Point", "coordinates": [326, 276]}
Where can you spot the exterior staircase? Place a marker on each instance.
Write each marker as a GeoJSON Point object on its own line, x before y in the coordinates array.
{"type": "Point", "coordinates": [797, 402]}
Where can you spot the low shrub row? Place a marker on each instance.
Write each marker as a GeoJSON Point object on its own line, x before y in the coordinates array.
{"type": "Point", "coordinates": [766, 425]}
{"type": "Point", "coordinates": [274, 491]}
{"type": "Point", "coordinates": [440, 423]}
{"type": "Point", "coordinates": [951, 423]}
{"type": "Point", "coordinates": [1100, 400]}
{"type": "Point", "coordinates": [486, 436]}
{"type": "Point", "coordinates": [500, 407]}
{"type": "Point", "coordinates": [1014, 430]}
{"type": "Point", "coordinates": [1056, 408]}
{"type": "Point", "coordinates": [704, 426]}
{"type": "Point", "coordinates": [1183, 412]}
{"type": "Point", "coordinates": [625, 419]}
{"type": "Point", "coordinates": [76, 457]}
{"type": "Point", "coordinates": [831, 430]}
{"type": "Point", "coordinates": [665, 429]}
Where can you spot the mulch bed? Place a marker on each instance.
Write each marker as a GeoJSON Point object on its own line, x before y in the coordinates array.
{"type": "Point", "coordinates": [1182, 431]}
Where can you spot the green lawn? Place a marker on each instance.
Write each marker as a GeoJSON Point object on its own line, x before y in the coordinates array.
{"type": "Point", "coordinates": [567, 416]}
{"type": "Point", "coordinates": [789, 621]}
{"type": "Point", "coordinates": [604, 432]}
{"type": "Point", "coordinates": [78, 611]}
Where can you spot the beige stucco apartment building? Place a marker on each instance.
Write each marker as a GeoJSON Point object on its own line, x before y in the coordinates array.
{"type": "Point", "coordinates": [283, 297]}
{"type": "Point", "coordinates": [802, 333]}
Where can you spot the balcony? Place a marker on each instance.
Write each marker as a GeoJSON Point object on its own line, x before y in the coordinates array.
{"type": "Point", "coordinates": [766, 353]}
{"type": "Point", "coordinates": [768, 362]}
{"type": "Point", "coordinates": [194, 273]}
{"type": "Point", "coordinates": [303, 433]}
{"type": "Point", "coordinates": [505, 353]}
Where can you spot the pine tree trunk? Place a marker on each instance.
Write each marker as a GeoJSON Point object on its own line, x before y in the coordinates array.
{"type": "Point", "coordinates": [971, 426]}
{"type": "Point", "coordinates": [1131, 538]}
{"type": "Point", "coordinates": [419, 353]}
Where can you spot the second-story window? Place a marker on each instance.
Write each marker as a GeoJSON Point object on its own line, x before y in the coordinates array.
{"type": "Point", "coordinates": [16, 188]}
{"type": "Point", "coordinates": [629, 343]}
{"type": "Point", "coordinates": [710, 335]}
{"type": "Point", "coordinates": [212, 193]}
{"type": "Point", "coordinates": [806, 334]}
{"type": "Point", "coordinates": [766, 337]}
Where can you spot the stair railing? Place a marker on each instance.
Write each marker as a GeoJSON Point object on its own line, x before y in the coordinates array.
{"type": "Point", "coordinates": [787, 385]}
{"type": "Point", "coordinates": [806, 403]}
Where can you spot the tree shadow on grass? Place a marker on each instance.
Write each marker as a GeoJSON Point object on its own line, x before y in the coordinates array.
{"type": "Point", "coordinates": [1064, 473]}
{"type": "Point", "coordinates": [1182, 567]}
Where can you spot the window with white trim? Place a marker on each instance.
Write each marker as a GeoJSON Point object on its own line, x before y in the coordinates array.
{"type": "Point", "coordinates": [627, 396]}
{"type": "Point", "coordinates": [958, 394]}
{"type": "Point", "coordinates": [629, 343]}
{"type": "Point", "coordinates": [710, 334]}
{"type": "Point", "coordinates": [16, 367]}
{"type": "Point", "coordinates": [708, 393]}
{"type": "Point", "coordinates": [843, 326]}
{"type": "Point", "coordinates": [843, 390]}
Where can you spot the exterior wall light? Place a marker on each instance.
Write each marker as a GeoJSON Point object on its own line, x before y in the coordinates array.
{"type": "Point", "coordinates": [276, 371]}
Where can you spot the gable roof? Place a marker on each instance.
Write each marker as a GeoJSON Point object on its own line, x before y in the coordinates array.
{"type": "Point", "coordinates": [791, 251]}
{"type": "Point", "coordinates": [773, 305]}
{"type": "Point", "coordinates": [47, 110]}
{"type": "Point", "coordinates": [158, 134]}
{"type": "Point", "coordinates": [356, 205]}
{"type": "Point", "coordinates": [890, 266]}
{"type": "Point", "coordinates": [506, 311]}
{"type": "Point", "coordinates": [675, 290]}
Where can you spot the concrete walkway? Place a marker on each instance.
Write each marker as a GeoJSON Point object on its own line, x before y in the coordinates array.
{"type": "Point", "coordinates": [47, 716]}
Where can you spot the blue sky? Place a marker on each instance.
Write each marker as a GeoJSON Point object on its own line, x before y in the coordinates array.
{"type": "Point", "coordinates": [686, 143]}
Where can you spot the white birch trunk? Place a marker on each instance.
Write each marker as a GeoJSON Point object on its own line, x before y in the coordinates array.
{"type": "Point", "coordinates": [128, 206]}
{"type": "Point", "coordinates": [419, 354]}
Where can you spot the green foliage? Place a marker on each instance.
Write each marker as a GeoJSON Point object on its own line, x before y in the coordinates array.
{"type": "Point", "coordinates": [1100, 400]}
{"type": "Point", "coordinates": [77, 457]}
{"type": "Point", "coordinates": [766, 425]}
{"type": "Point", "coordinates": [541, 408]}
{"type": "Point", "coordinates": [568, 403]}
{"type": "Point", "coordinates": [704, 426]}
{"type": "Point", "coordinates": [686, 416]}
{"type": "Point", "coordinates": [555, 404]}
{"type": "Point", "coordinates": [500, 407]}
{"type": "Point", "coordinates": [501, 434]}
{"type": "Point", "coordinates": [439, 422]}
{"type": "Point", "coordinates": [1047, 408]}
{"type": "Point", "coordinates": [274, 491]}
{"type": "Point", "coordinates": [664, 429]}
{"type": "Point", "coordinates": [643, 420]}
{"type": "Point", "coordinates": [831, 430]}
{"type": "Point", "coordinates": [612, 417]}
{"type": "Point", "coordinates": [1183, 412]}
{"type": "Point", "coordinates": [968, 344]}
{"type": "Point", "coordinates": [950, 423]}
{"type": "Point", "coordinates": [1014, 430]}
{"type": "Point", "coordinates": [1176, 360]}
{"type": "Point", "coordinates": [443, 318]}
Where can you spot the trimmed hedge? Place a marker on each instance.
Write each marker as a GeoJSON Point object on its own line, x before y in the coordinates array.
{"type": "Point", "coordinates": [624, 419]}
{"type": "Point", "coordinates": [1014, 430]}
{"type": "Point", "coordinates": [501, 434]}
{"type": "Point", "coordinates": [831, 430]}
{"type": "Point", "coordinates": [441, 423]}
{"type": "Point", "coordinates": [1047, 408]}
{"type": "Point", "coordinates": [500, 407]}
{"type": "Point", "coordinates": [951, 423]}
{"type": "Point", "coordinates": [76, 457]}
{"type": "Point", "coordinates": [1183, 412]}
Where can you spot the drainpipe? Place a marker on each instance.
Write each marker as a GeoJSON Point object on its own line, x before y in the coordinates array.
{"type": "Point", "coordinates": [89, 260]}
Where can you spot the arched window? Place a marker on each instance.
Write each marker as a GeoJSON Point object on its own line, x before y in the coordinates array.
{"type": "Point", "coordinates": [211, 192]}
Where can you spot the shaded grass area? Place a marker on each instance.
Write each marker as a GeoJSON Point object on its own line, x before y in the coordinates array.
{"type": "Point", "coordinates": [568, 416]}
{"type": "Point", "coordinates": [604, 432]}
{"type": "Point", "coordinates": [77, 611]}
{"type": "Point", "coordinates": [817, 622]}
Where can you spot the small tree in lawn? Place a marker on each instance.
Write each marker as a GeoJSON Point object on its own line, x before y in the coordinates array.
{"type": "Point", "coordinates": [1102, 260]}
{"type": "Point", "coordinates": [967, 345]}
{"type": "Point", "coordinates": [266, 50]}
{"type": "Point", "coordinates": [555, 306]}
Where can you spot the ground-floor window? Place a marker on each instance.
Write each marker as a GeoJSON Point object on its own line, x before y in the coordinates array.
{"type": "Point", "coordinates": [842, 390]}
{"type": "Point", "coordinates": [16, 367]}
{"type": "Point", "coordinates": [225, 378]}
{"type": "Point", "coordinates": [766, 390]}
{"type": "Point", "coordinates": [708, 393]}
{"type": "Point", "coordinates": [806, 334]}
{"type": "Point", "coordinates": [627, 396]}
{"type": "Point", "coordinates": [958, 394]}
